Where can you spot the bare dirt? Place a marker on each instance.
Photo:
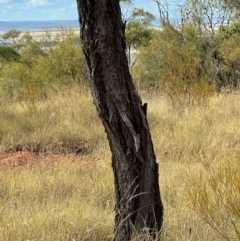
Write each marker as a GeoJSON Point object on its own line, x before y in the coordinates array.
{"type": "Point", "coordinates": [21, 159]}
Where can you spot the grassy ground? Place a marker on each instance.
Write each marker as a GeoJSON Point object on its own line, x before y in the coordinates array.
{"type": "Point", "coordinates": [74, 200]}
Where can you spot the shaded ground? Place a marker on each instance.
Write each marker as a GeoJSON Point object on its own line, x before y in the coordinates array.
{"type": "Point", "coordinates": [23, 158]}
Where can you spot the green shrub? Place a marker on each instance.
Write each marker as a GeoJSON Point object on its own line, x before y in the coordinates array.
{"type": "Point", "coordinates": [8, 54]}
{"type": "Point", "coordinates": [229, 41]}
{"type": "Point", "coordinates": [146, 71]}
{"type": "Point", "coordinates": [177, 64]}
{"type": "Point", "coordinates": [42, 69]}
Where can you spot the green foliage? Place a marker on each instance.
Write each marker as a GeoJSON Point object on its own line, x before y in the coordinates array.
{"type": "Point", "coordinates": [147, 69]}
{"type": "Point", "coordinates": [27, 37]}
{"type": "Point", "coordinates": [65, 61]}
{"type": "Point", "coordinates": [46, 63]}
{"type": "Point", "coordinates": [138, 32]}
{"type": "Point", "coordinates": [216, 198]}
{"type": "Point", "coordinates": [179, 63]}
{"type": "Point", "coordinates": [227, 31]}
{"type": "Point", "coordinates": [12, 35]}
{"type": "Point", "coordinates": [208, 15]}
{"type": "Point", "coordinates": [203, 30]}
{"type": "Point", "coordinates": [185, 73]}
{"type": "Point", "coordinates": [23, 80]}
{"type": "Point", "coordinates": [212, 19]}
{"type": "Point", "coordinates": [228, 40]}
{"type": "Point", "coordinates": [136, 35]}
{"type": "Point", "coordinates": [8, 54]}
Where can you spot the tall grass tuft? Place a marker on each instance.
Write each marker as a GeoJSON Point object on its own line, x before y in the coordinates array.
{"type": "Point", "coordinates": [216, 198]}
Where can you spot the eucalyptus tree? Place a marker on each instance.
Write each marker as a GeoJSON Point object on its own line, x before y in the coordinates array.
{"type": "Point", "coordinates": [138, 31]}
{"type": "Point", "coordinates": [11, 35]}
{"type": "Point", "coordinates": [208, 15]}
{"type": "Point", "coordinates": [138, 203]}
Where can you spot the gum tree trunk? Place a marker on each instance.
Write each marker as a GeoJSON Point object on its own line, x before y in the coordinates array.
{"type": "Point", "coordinates": [138, 203]}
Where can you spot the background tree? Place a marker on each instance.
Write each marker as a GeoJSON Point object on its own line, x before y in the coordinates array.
{"type": "Point", "coordinates": [208, 15]}
{"type": "Point", "coordinates": [12, 35]}
{"type": "Point", "coordinates": [138, 204]}
{"type": "Point", "coordinates": [234, 5]}
{"type": "Point", "coordinates": [126, 6]}
{"type": "Point", "coordinates": [138, 31]}
{"type": "Point", "coordinates": [205, 18]}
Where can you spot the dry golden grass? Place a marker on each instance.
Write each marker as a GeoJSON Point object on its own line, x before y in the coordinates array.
{"type": "Point", "coordinates": [74, 200]}
{"type": "Point", "coordinates": [67, 122]}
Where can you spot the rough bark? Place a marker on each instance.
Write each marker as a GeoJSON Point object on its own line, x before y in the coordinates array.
{"type": "Point", "coordinates": [138, 202]}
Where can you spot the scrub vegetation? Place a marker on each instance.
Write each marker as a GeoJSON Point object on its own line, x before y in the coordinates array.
{"type": "Point", "coordinates": [188, 75]}
{"type": "Point", "coordinates": [72, 197]}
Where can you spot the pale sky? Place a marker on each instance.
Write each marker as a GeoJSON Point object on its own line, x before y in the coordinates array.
{"type": "Point", "coordinates": [21, 10]}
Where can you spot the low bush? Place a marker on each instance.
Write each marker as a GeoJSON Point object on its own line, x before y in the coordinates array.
{"type": "Point", "coordinates": [8, 54]}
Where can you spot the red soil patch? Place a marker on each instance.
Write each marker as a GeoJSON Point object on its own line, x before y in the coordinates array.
{"type": "Point", "coordinates": [23, 158]}
{"type": "Point", "coordinates": [20, 158]}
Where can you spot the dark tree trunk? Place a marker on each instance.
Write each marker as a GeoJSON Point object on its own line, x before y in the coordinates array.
{"type": "Point", "coordinates": [138, 202]}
